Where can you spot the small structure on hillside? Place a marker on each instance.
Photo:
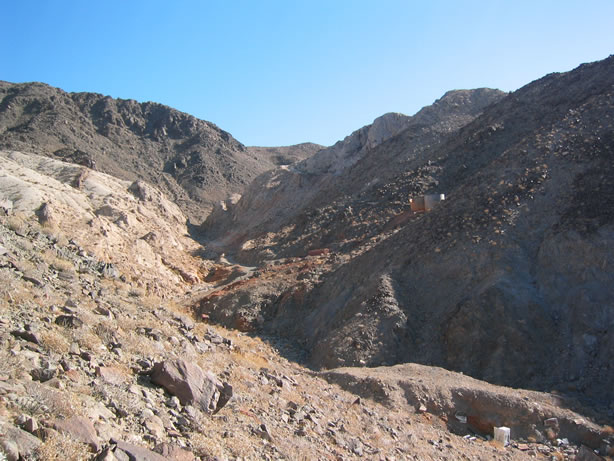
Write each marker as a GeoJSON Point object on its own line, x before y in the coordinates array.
{"type": "Point", "coordinates": [425, 202]}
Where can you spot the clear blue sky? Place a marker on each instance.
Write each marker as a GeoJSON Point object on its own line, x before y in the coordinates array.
{"type": "Point", "coordinates": [290, 71]}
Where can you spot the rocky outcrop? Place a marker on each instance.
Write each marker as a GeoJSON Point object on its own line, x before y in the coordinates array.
{"type": "Point", "coordinates": [192, 385]}
{"type": "Point", "coordinates": [130, 225]}
{"type": "Point", "coordinates": [466, 404]}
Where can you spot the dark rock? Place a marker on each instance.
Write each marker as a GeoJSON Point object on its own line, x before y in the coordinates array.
{"type": "Point", "coordinates": [586, 454]}
{"type": "Point", "coordinates": [69, 321]}
{"type": "Point", "coordinates": [27, 335]}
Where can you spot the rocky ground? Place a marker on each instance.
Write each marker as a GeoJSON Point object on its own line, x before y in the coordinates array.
{"type": "Point", "coordinates": [98, 368]}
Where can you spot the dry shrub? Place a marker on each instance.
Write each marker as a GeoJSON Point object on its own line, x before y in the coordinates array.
{"type": "Point", "coordinates": [205, 447]}
{"type": "Point", "coordinates": [54, 341]}
{"type": "Point", "coordinates": [17, 223]}
{"type": "Point", "coordinates": [60, 265]}
{"type": "Point", "coordinates": [60, 447]}
{"type": "Point", "coordinates": [247, 358]}
{"type": "Point", "coordinates": [44, 400]}
{"type": "Point", "coordinates": [88, 340]}
{"type": "Point", "coordinates": [55, 234]}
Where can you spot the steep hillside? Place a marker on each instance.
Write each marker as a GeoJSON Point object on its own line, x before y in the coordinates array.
{"type": "Point", "coordinates": [192, 161]}
{"type": "Point", "coordinates": [314, 203]}
{"type": "Point", "coordinates": [101, 359]}
{"type": "Point", "coordinates": [508, 280]}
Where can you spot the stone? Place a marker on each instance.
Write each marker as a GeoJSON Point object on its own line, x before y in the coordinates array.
{"type": "Point", "coordinates": [80, 429]}
{"type": "Point", "coordinates": [17, 441]}
{"type": "Point", "coordinates": [27, 335]}
{"type": "Point", "coordinates": [10, 450]}
{"type": "Point", "coordinates": [263, 432]}
{"type": "Point", "coordinates": [191, 384]}
{"type": "Point", "coordinates": [586, 454]}
{"type": "Point", "coordinates": [112, 375]}
{"type": "Point", "coordinates": [174, 453]}
{"type": "Point", "coordinates": [136, 453]}
{"type": "Point", "coordinates": [155, 426]}
{"type": "Point", "coordinates": [69, 321]}
{"type": "Point", "coordinates": [31, 425]}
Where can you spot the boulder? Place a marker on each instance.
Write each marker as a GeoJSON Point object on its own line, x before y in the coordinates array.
{"type": "Point", "coordinates": [80, 429]}
{"type": "Point", "coordinates": [17, 442]}
{"type": "Point", "coordinates": [191, 384]}
{"type": "Point", "coordinates": [136, 453]}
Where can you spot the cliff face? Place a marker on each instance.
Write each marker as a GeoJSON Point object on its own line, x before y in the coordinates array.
{"type": "Point", "coordinates": [509, 279]}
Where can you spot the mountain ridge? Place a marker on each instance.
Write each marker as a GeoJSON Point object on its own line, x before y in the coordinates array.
{"type": "Point", "coordinates": [193, 161]}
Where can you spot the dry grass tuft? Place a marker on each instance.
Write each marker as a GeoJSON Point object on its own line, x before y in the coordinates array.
{"type": "Point", "coordinates": [54, 341]}
{"type": "Point", "coordinates": [17, 223]}
{"type": "Point", "coordinates": [60, 447]}
{"type": "Point", "coordinates": [60, 265]}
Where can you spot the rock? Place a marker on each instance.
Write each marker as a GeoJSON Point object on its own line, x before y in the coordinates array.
{"type": "Point", "coordinates": [174, 453]}
{"type": "Point", "coordinates": [136, 453]}
{"type": "Point", "coordinates": [112, 375]}
{"type": "Point", "coordinates": [263, 432]}
{"type": "Point", "coordinates": [191, 384]}
{"type": "Point", "coordinates": [45, 214]}
{"type": "Point", "coordinates": [155, 426]}
{"type": "Point", "coordinates": [44, 373]}
{"type": "Point", "coordinates": [173, 402]}
{"type": "Point", "coordinates": [31, 425]}
{"type": "Point", "coordinates": [18, 442]}
{"type": "Point", "coordinates": [27, 335]}
{"type": "Point", "coordinates": [80, 429]}
{"type": "Point", "coordinates": [69, 321]}
{"type": "Point", "coordinates": [10, 450]}
{"type": "Point", "coordinates": [586, 454]}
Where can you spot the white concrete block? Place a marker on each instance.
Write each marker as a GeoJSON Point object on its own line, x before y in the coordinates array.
{"type": "Point", "coordinates": [502, 434]}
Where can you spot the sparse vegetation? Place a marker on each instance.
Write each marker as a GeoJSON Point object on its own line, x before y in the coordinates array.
{"type": "Point", "coordinates": [61, 447]}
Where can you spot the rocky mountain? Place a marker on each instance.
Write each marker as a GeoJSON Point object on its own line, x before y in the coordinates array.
{"type": "Point", "coordinates": [508, 280]}
{"type": "Point", "coordinates": [343, 181]}
{"type": "Point", "coordinates": [320, 315]}
{"type": "Point", "coordinates": [195, 163]}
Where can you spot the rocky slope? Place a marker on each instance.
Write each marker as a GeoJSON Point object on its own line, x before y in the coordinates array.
{"type": "Point", "coordinates": [97, 365]}
{"type": "Point", "coordinates": [314, 203]}
{"type": "Point", "coordinates": [508, 280]}
{"type": "Point", "coordinates": [195, 163]}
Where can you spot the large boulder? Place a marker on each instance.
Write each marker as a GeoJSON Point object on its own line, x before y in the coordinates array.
{"type": "Point", "coordinates": [191, 384]}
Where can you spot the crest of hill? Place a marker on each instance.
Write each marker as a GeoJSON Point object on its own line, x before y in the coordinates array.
{"type": "Point", "coordinates": [192, 161]}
